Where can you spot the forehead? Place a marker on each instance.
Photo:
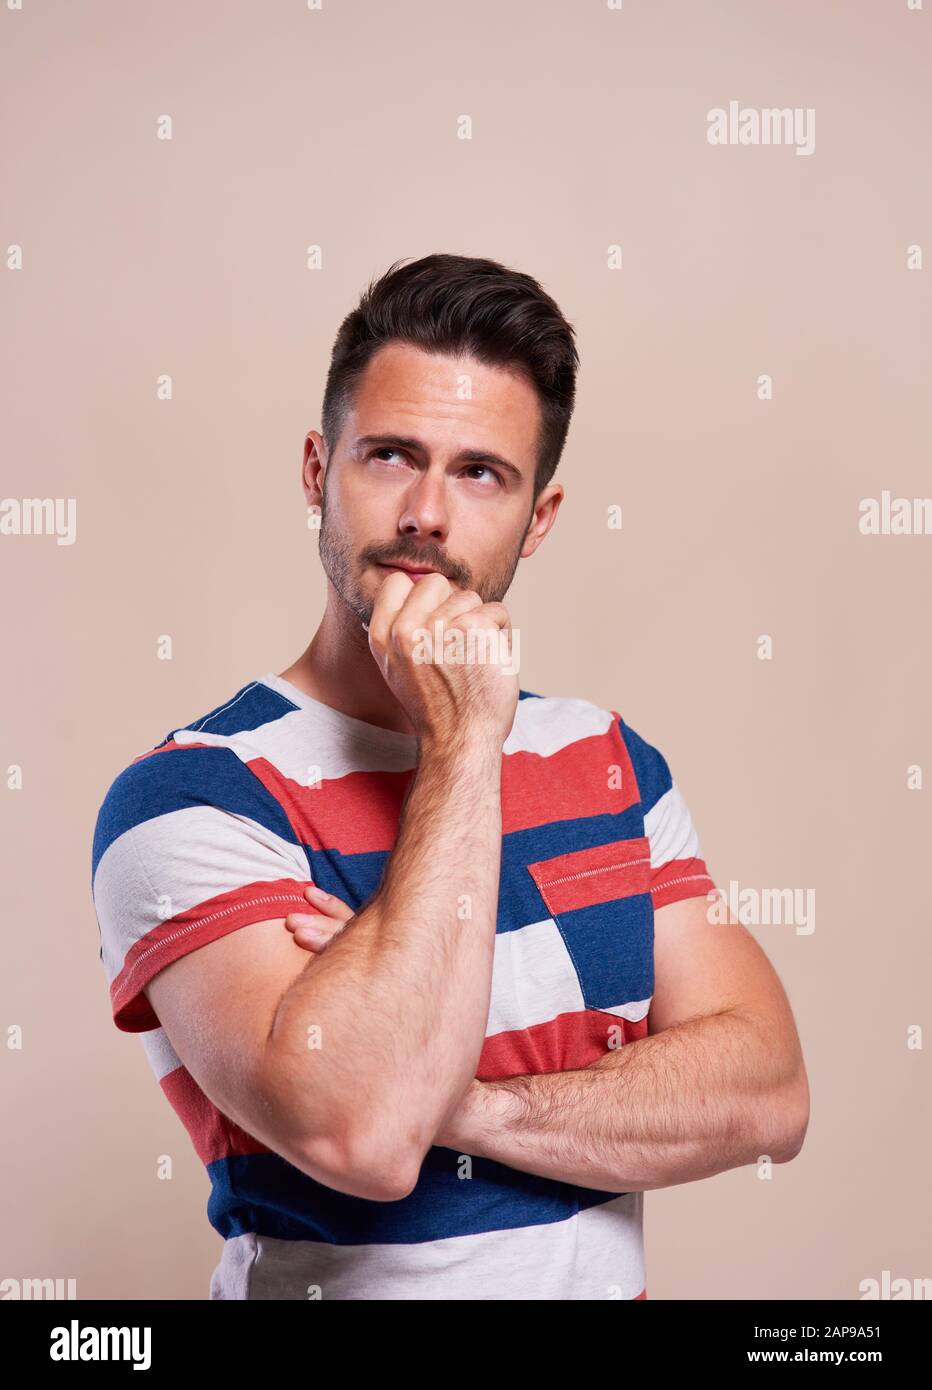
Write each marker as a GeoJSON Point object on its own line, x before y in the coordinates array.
{"type": "Point", "coordinates": [447, 401]}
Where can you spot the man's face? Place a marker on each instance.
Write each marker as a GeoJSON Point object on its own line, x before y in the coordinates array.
{"type": "Point", "coordinates": [421, 477]}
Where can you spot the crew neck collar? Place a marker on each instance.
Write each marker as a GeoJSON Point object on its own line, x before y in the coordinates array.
{"type": "Point", "coordinates": [337, 720]}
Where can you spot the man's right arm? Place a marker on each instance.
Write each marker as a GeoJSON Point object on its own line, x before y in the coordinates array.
{"type": "Point", "coordinates": [400, 1000]}
{"type": "Point", "coordinates": [349, 1066]}
{"type": "Point", "coordinates": [346, 1064]}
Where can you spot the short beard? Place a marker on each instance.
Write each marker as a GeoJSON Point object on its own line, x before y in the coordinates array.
{"type": "Point", "coordinates": [336, 557]}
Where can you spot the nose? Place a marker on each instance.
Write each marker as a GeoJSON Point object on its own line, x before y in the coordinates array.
{"type": "Point", "coordinates": [425, 511]}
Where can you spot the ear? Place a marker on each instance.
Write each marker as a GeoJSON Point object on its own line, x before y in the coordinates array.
{"type": "Point", "coordinates": [542, 518]}
{"type": "Point", "coordinates": [313, 468]}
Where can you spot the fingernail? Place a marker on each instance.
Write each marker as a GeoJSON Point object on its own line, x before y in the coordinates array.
{"type": "Point", "coordinates": [319, 891]}
{"type": "Point", "coordinates": [301, 919]}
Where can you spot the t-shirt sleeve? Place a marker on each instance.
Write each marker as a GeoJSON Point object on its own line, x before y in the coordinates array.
{"type": "Point", "coordinates": [677, 867]}
{"type": "Point", "coordinates": [189, 845]}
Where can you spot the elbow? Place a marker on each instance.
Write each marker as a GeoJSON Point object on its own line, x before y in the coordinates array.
{"type": "Point", "coordinates": [792, 1116]}
{"type": "Point", "coordinates": [344, 1151]}
{"type": "Point", "coordinates": [361, 1168]}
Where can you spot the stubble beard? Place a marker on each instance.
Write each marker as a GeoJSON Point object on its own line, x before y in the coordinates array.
{"type": "Point", "coordinates": [342, 569]}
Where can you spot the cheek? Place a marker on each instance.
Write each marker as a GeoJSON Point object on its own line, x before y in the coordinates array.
{"type": "Point", "coordinates": [367, 514]}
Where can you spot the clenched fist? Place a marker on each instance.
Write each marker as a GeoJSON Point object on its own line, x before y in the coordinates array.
{"type": "Point", "coordinates": [465, 685]}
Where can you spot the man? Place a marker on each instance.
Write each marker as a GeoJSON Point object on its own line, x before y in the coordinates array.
{"type": "Point", "coordinates": [523, 1018]}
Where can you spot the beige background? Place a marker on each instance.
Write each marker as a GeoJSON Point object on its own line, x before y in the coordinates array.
{"type": "Point", "coordinates": [338, 128]}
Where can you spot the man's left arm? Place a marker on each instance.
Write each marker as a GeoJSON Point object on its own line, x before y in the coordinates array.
{"type": "Point", "coordinates": [718, 1082]}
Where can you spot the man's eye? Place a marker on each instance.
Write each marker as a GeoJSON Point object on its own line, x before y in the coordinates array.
{"type": "Point", "coordinates": [484, 468]}
{"type": "Point", "coordinates": [387, 450]}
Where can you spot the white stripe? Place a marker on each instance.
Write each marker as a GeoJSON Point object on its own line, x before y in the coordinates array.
{"type": "Point", "coordinates": [533, 979]}
{"type": "Point", "coordinates": [194, 854]}
{"type": "Point", "coordinates": [548, 724]}
{"type": "Point", "coordinates": [669, 828]}
{"type": "Point", "coordinates": [597, 1254]}
{"type": "Point", "coordinates": [632, 1012]}
{"type": "Point", "coordinates": [162, 1056]}
{"type": "Point", "coordinates": [306, 751]}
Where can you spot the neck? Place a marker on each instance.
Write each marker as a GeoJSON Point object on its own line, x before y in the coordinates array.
{"type": "Point", "coordinates": [338, 669]}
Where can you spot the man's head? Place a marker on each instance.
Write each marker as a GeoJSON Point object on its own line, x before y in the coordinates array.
{"type": "Point", "coordinates": [445, 412]}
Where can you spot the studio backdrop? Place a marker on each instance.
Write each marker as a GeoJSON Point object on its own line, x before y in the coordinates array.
{"type": "Point", "coordinates": [730, 202]}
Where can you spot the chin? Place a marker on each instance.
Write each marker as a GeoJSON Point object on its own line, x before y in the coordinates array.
{"type": "Point", "coordinates": [361, 607]}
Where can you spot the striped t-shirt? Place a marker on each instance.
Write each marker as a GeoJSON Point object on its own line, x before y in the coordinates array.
{"type": "Point", "coordinates": [224, 821]}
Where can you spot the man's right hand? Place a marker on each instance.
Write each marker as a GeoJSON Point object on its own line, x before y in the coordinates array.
{"type": "Point", "coordinates": [442, 697]}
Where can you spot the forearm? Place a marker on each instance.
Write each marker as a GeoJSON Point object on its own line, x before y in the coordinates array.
{"type": "Point", "coordinates": [388, 1024]}
{"type": "Point", "coordinates": [683, 1104]}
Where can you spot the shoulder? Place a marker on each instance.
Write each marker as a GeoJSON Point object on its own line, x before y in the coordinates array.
{"type": "Point", "coordinates": [205, 762]}
{"type": "Point", "coordinates": [191, 842]}
{"type": "Point", "coordinates": [551, 722]}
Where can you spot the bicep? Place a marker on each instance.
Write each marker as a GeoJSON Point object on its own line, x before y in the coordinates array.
{"type": "Point", "coordinates": [216, 1005]}
{"type": "Point", "coordinates": [706, 967]}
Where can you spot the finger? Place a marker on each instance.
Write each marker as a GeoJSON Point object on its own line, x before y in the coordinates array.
{"type": "Point", "coordinates": [496, 612]}
{"type": "Point", "coordinates": [315, 920]}
{"type": "Point", "coordinates": [310, 939]}
{"type": "Point", "coordinates": [410, 618]}
{"type": "Point", "coordinates": [460, 601]}
{"type": "Point", "coordinates": [449, 611]}
{"type": "Point", "coordinates": [328, 903]}
{"type": "Point", "coordinates": [314, 937]}
{"type": "Point", "coordinates": [493, 621]}
{"type": "Point", "coordinates": [423, 598]}
{"type": "Point", "coordinates": [392, 593]}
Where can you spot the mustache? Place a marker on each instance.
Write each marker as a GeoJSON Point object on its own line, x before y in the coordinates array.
{"type": "Point", "coordinates": [429, 559]}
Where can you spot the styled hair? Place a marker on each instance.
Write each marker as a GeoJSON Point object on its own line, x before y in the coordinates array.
{"type": "Point", "coordinates": [462, 305]}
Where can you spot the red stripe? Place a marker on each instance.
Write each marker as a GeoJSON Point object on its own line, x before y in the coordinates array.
{"type": "Point", "coordinates": [566, 1043]}
{"type": "Point", "coordinates": [592, 777]}
{"type": "Point", "coordinates": [355, 814]}
{"type": "Point", "coordinates": [175, 937]}
{"type": "Point", "coordinates": [679, 879]}
{"type": "Point", "coordinates": [212, 1134]}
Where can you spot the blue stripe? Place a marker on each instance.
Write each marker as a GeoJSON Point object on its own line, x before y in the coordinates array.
{"type": "Point", "coordinates": [650, 768]}
{"type": "Point", "coordinates": [352, 877]}
{"type": "Point", "coordinates": [253, 705]}
{"type": "Point", "coordinates": [612, 948]}
{"type": "Point", "coordinates": [179, 779]}
{"type": "Point", "coordinates": [265, 1194]}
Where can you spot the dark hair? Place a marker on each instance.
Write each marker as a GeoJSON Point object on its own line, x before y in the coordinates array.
{"type": "Point", "coordinates": [468, 305]}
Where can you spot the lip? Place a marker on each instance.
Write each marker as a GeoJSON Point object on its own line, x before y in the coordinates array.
{"type": "Point", "coordinates": [412, 573]}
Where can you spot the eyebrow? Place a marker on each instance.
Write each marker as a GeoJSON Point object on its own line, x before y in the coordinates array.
{"type": "Point", "coordinates": [417, 446]}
